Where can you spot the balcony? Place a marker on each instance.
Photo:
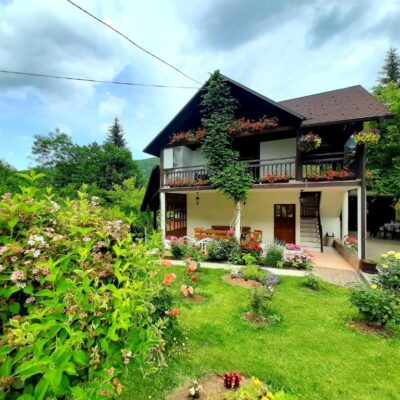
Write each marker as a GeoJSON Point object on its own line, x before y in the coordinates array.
{"type": "Point", "coordinates": [314, 169]}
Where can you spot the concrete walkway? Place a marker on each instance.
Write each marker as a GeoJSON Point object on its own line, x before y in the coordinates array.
{"type": "Point", "coordinates": [332, 267]}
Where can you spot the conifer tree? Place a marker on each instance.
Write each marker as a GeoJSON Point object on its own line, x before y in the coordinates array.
{"type": "Point", "coordinates": [116, 135]}
{"type": "Point", "coordinates": [391, 68]}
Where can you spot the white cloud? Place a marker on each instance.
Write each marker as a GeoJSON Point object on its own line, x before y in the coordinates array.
{"type": "Point", "coordinates": [111, 105]}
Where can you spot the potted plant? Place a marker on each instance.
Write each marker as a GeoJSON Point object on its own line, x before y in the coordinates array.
{"type": "Point", "coordinates": [309, 142]}
{"type": "Point", "coordinates": [368, 136]}
{"type": "Point", "coordinates": [368, 265]}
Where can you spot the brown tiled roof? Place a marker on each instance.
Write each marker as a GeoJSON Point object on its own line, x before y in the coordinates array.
{"type": "Point", "coordinates": [349, 104]}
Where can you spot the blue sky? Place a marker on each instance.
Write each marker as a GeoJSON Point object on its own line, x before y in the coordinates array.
{"type": "Point", "coordinates": [282, 49]}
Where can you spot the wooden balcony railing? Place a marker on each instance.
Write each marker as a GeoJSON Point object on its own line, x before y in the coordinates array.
{"type": "Point", "coordinates": [268, 171]}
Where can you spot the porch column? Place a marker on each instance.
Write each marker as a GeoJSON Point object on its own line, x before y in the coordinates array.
{"type": "Point", "coordinates": [345, 214]}
{"type": "Point", "coordinates": [162, 217]}
{"type": "Point", "coordinates": [238, 230]}
{"type": "Point", "coordinates": [361, 222]}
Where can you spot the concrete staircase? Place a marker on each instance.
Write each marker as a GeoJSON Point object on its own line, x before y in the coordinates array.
{"type": "Point", "coordinates": [309, 233]}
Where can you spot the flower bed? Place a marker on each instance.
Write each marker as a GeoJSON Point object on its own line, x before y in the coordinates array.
{"type": "Point", "coordinates": [297, 259]}
{"type": "Point", "coordinates": [276, 178]}
{"type": "Point", "coordinates": [330, 175]}
{"type": "Point", "coordinates": [186, 182]}
{"type": "Point", "coordinates": [250, 125]}
{"type": "Point", "coordinates": [191, 136]}
{"type": "Point", "coordinates": [238, 126]}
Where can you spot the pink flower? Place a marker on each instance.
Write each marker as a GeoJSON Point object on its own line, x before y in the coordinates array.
{"type": "Point", "coordinates": [3, 249]}
{"type": "Point", "coordinates": [17, 275]}
{"type": "Point", "coordinates": [187, 290]}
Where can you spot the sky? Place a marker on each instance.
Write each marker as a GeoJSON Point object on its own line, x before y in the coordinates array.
{"type": "Point", "coordinates": [281, 49]}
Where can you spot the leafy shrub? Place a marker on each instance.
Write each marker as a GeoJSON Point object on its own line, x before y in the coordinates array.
{"type": "Point", "coordinates": [375, 305]}
{"type": "Point", "coordinates": [181, 249]}
{"type": "Point", "coordinates": [260, 300]}
{"type": "Point", "coordinates": [273, 255]}
{"type": "Point", "coordinates": [220, 249]}
{"type": "Point", "coordinates": [312, 281]}
{"type": "Point", "coordinates": [301, 260]}
{"type": "Point", "coordinates": [271, 280]}
{"type": "Point", "coordinates": [388, 276]}
{"type": "Point", "coordinates": [251, 246]}
{"type": "Point", "coordinates": [252, 272]}
{"type": "Point", "coordinates": [79, 302]}
{"type": "Point", "coordinates": [235, 256]}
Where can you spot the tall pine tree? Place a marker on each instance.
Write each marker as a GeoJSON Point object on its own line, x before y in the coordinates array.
{"type": "Point", "coordinates": [391, 68]}
{"type": "Point", "coordinates": [116, 135]}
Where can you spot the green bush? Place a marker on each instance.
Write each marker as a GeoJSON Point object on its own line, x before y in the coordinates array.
{"type": "Point", "coordinates": [252, 272]}
{"type": "Point", "coordinates": [388, 276]}
{"type": "Point", "coordinates": [375, 305]}
{"type": "Point", "coordinates": [78, 303]}
{"type": "Point", "coordinates": [182, 249]}
{"type": "Point", "coordinates": [260, 300]}
{"type": "Point", "coordinates": [312, 281]}
{"type": "Point", "coordinates": [273, 255]}
{"type": "Point", "coordinates": [220, 249]}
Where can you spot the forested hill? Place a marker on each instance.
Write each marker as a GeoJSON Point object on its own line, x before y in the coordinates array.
{"type": "Point", "coordinates": [146, 165]}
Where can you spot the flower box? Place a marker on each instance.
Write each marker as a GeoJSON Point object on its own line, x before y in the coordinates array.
{"type": "Point", "coordinates": [368, 266]}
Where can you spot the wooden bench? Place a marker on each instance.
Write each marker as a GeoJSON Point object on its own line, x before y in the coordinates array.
{"type": "Point", "coordinates": [221, 232]}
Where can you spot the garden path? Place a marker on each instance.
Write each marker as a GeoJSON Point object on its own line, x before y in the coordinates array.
{"type": "Point", "coordinates": [332, 267]}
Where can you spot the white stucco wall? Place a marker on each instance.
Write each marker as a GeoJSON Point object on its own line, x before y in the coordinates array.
{"type": "Point", "coordinates": [285, 148]}
{"type": "Point", "coordinates": [258, 213]}
{"type": "Point", "coordinates": [331, 207]}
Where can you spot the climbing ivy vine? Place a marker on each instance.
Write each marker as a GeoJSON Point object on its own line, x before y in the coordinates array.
{"type": "Point", "coordinates": [226, 172]}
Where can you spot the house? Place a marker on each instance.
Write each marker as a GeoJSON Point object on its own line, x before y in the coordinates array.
{"type": "Point", "coordinates": [297, 196]}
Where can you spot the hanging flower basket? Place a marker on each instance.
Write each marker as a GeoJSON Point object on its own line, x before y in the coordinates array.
{"type": "Point", "coordinates": [309, 142]}
{"type": "Point", "coordinates": [368, 136]}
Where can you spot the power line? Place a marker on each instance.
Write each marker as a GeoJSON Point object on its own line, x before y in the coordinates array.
{"type": "Point", "coordinates": [132, 42]}
{"type": "Point", "coordinates": [96, 80]}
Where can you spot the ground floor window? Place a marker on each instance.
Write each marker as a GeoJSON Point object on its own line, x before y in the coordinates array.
{"type": "Point", "coordinates": [285, 222]}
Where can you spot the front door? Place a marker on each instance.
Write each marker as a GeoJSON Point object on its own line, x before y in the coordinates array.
{"type": "Point", "coordinates": [285, 222]}
{"type": "Point", "coordinates": [176, 214]}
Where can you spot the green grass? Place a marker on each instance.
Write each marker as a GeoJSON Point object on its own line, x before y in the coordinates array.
{"type": "Point", "coordinates": [311, 352]}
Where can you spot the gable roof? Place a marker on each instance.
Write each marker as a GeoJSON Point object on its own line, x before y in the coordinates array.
{"type": "Point", "coordinates": [353, 103]}
{"type": "Point", "coordinates": [349, 104]}
{"type": "Point", "coordinates": [251, 104]}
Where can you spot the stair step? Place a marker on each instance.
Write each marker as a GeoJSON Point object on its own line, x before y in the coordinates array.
{"type": "Point", "coordinates": [311, 245]}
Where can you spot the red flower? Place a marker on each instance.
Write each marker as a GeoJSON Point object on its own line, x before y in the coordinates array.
{"type": "Point", "coordinates": [168, 278]}
{"type": "Point", "coordinates": [174, 312]}
{"type": "Point", "coordinates": [195, 278]}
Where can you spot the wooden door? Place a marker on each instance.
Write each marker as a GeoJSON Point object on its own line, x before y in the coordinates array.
{"type": "Point", "coordinates": [176, 215]}
{"type": "Point", "coordinates": [285, 222]}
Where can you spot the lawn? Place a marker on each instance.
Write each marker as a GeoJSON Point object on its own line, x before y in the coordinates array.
{"type": "Point", "coordinates": [311, 352]}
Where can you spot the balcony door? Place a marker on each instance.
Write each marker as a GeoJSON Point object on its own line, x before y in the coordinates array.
{"type": "Point", "coordinates": [285, 222]}
{"type": "Point", "coordinates": [176, 215]}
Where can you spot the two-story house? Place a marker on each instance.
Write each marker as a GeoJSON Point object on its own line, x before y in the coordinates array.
{"type": "Point", "coordinates": [296, 196]}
